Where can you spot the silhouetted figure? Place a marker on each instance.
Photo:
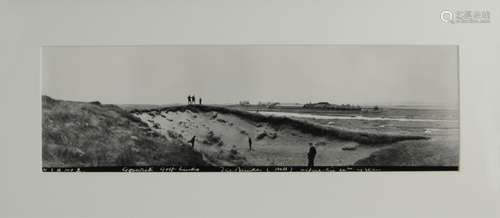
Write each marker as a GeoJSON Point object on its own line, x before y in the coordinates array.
{"type": "Point", "coordinates": [249, 143]}
{"type": "Point", "coordinates": [189, 99]}
{"type": "Point", "coordinates": [192, 141]}
{"type": "Point", "coordinates": [200, 101]}
{"type": "Point", "coordinates": [193, 100]}
{"type": "Point", "coordinates": [311, 155]}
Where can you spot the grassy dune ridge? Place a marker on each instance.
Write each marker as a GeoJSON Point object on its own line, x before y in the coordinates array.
{"type": "Point", "coordinates": [80, 134]}
{"type": "Point", "coordinates": [303, 126]}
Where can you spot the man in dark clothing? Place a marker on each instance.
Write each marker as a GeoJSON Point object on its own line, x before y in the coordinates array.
{"type": "Point", "coordinates": [200, 101]}
{"type": "Point", "coordinates": [189, 99]}
{"type": "Point", "coordinates": [193, 99]}
{"type": "Point", "coordinates": [311, 155]}
{"type": "Point", "coordinates": [249, 143]}
{"type": "Point", "coordinates": [192, 141]}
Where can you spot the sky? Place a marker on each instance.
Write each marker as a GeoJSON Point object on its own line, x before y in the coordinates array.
{"type": "Point", "coordinates": [365, 75]}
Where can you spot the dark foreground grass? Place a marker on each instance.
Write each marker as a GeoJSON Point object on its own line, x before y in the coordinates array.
{"type": "Point", "coordinates": [79, 134]}
{"type": "Point", "coordinates": [303, 126]}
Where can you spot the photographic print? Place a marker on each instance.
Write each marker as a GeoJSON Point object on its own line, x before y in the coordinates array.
{"type": "Point", "coordinates": [250, 108]}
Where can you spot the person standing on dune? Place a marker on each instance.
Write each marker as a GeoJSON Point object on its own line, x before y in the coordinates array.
{"type": "Point", "coordinates": [249, 143]}
{"type": "Point", "coordinates": [311, 155]}
{"type": "Point", "coordinates": [193, 100]}
{"type": "Point", "coordinates": [189, 99]}
{"type": "Point", "coordinates": [200, 101]}
{"type": "Point", "coordinates": [192, 141]}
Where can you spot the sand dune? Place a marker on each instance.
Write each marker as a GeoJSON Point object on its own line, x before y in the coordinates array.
{"type": "Point", "coordinates": [222, 137]}
{"type": "Point", "coordinates": [80, 134]}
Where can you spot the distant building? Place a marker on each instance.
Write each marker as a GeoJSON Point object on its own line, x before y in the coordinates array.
{"type": "Point", "coordinates": [324, 105]}
{"type": "Point", "coordinates": [244, 103]}
{"type": "Point", "coordinates": [272, 105]}
{"type": "Point", "coordinates": [328, 106]}
{"type": "Point", "coordinates": [291, 105]}
{"type": "Point", "coordinates": [269, 104]}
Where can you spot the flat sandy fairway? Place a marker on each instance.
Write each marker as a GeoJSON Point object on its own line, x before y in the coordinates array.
{"type": "Point", "coordinates": [222, 138]}
{"type": "Point", "coordinates": [441, 150]}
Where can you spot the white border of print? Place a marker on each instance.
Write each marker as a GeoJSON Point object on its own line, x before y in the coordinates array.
{"type": "Point", "coordinates": [29, 25]}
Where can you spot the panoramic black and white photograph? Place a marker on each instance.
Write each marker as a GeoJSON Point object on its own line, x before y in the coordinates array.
{"type": "Point", "coordinates": [250, 108]}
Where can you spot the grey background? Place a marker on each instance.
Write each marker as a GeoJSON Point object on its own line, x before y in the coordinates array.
{"type": "Point", "coordinates": [224, 74]}
{"type": "Point", "coordinates": [29, 25]}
